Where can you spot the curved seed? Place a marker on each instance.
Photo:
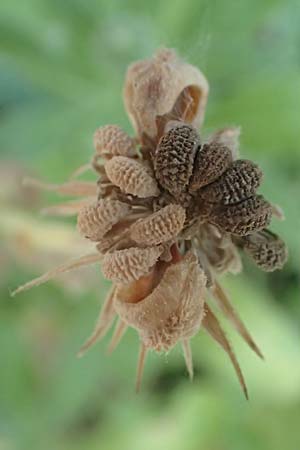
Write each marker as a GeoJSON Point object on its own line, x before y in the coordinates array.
{"type": "Point", "coordinates": [238, 183]}
{"type": "Point", "coordinates": [160, 227]}
{"type": "Point", "coordinates": [124, 266]}
{"type": "Point", "coordinates": [246, 217]}
{"type": "Point", "coordinates": [132, 177]}
{"type": "Point", "coordinates": [211, 162]}
{"type": "Point", "coordinates": [111, 140]}
{"type": "Point", "coordinates": [94, 221]}
{"type": "Point", "coordinates": [174, 158]}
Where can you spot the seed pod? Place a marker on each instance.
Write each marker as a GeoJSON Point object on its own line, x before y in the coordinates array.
{"type": "Point", "coordinates": [111, 140]}
{"type": "Point", "coordinates": [172, 311]}
{"type": "Point", "coordinates": [238, 183]}
{"type": "Point", "coordinates": [160, 227]}
{"type": "Point", "coordinates": [266, 249]}
{"type": "Point", "coordinates": [211, 162]}
{"type": "Point", "coordinates": [174, 158]}
{"type": "Point", "coordinates": [95, 220]}
{"type": "Point", "coordinates": [164, 84]}
{"type": "Point", "coordinates": [229, 137]}
{"type": "Point", "coordinates": [125, 266]}
{"type": "Point", "coordinates": [132, 177]}
{"type": "Point", "coordinates": [246, 217]}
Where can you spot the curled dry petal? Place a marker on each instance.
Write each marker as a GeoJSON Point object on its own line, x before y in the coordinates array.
{"type": "Point", "coordinates": [124, 266]}
{"type": "Point", "coordinates": [246, 217]}
{"type": "Point", "coordinates": [162, 85]}
{"type": "Point", "coordinates": [211, 162]}
{"type": "Point", "coordinates": [172, 311]}
{"type": "Point", "coordinates": [132, 177]}
{"type": "Point", "coordinates": [174, 158]}
{"type": "Point", "coordinates": [239, 182]}
{"type": "Point", "coordinates": [266, 249]}
{"type": "Point", "coordinates": [95, 220]}
{"type": "Point", "coordinates": [111, 140]}
{"type": "Point", "coordinates": [159, 227]}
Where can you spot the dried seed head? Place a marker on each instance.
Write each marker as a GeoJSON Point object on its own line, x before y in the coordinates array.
{"type": "Point", "coordinates": [266, 249]}
{"type": "Point", "coordinates": [238, 183]}
{"type": "Point", "coordinates": [111, 140]}
{"type": "Point", "coordinates": [160, 227]}
{"type": "Point", "coordinates": [172, 311]}
{"type": "Point", "coordinates": [125, 266]}
{"type": "Point", "coordinates": [163, 85]}
{"type": "Point", "coordinates": [174, 158]}
{"type": "Point", "coordinates": [229, 137]}
{"type": "Point", "coordinates": [132, 177]}
{"type": "Point", "coordinates": [211, 162]}
{"type": "Point", "coordinates": [95, 220]}
{"type": "Point", "coordinates": [244, 218]}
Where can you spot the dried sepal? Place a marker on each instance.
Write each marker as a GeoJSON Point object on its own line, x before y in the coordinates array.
{"type": "Point", "coordinates": [130, 264]}
{"type": "Point", "coordinates": [174, 158]}
{"type": "Point", "coordinates": [266, 249]}
{"type": "Point", "coordinates": [172, 311]}
{"type": "Point", "coordinates": [164, 85]}
{"type": "Point", "coordinates": [80, 188]}
{"type": "Point", "coordinates": [95, 220]}
{"type": "Point", "coordinates": [132, 177]}
{"type": "Point", "coordinates": [211, 162]}
{"type": "Point", "coordinates": [238, 183]}
{"type": "Point", "coordinates": [244, 218]}
{"type": "Point", "coordinates": [160, 226]}
{"type": "Point", "coordinates": [111, 140]}
{"type": "Point", "coordinates": [229, 137]}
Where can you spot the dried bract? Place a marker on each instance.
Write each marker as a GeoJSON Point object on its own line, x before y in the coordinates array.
{"type": "Point", "coordinates": [228, 137]}
{"type": "Point", "coordinates": [132, 177]}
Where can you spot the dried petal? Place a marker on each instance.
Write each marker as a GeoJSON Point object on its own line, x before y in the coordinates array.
{"type": "Point", "coordinates": [229, 137]}
{"type": "Point", "coordinates": [94, 221]}
{"type": "Point", "coordinates": [174, 158]}
{"type": "Point", "coordinates": [239, 182]}
{"type": "Point", "coordinates": [172, 311]}
{"type": "Point", "coordinates": [159, 227]}
{"type": "Point", "coordinates": [251, 215]}
{"type": "Point", "coordinates": [111, 140]}
{"type": "Point", "coordinates": [132, 177]}
{"type": "Point", "coordinates": [124, 266]}
{"type": "Point", "coordinates": [163, 85]}
{"type": "Point", "coordinates": [266, 249]}
{"type": "Point", "coordinates": [211, 162]}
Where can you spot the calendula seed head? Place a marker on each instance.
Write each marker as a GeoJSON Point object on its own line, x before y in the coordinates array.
{"type": "Point", "coordinates": [238, 183]}
{"type": "Point", "coordinates": [172, 311]}
{"type": "Point", "coordinates": [160, 226]}
{"type": "Point", "coordinates": [132, 177]}
{"type": "Point", "coordinates": [266, 249]}
{"type": "Point", "coordinates": [174, 158]}
{"type": "Point", "coordinates": [111, 140]}
{"type": "Point", "coordinates": [125, 266]}
{"type": "Point", "coordinates": [211, 161]}
{"type": "Point", "coordinates": [244, 218]}
{"type": "Point", "coordinates": [95, 220]}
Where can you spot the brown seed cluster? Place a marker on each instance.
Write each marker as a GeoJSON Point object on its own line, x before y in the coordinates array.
{"type": "Point", "coordinates": [172, 211]}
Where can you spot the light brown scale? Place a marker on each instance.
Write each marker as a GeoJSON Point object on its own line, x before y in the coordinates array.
{"type": "Point", "coordinates": [211, 161]}
{"type": "Point", "coordinates": [244, 218]}
{"type": "Point", "coordinates": [111, 140]}
{"type": "Point", "coordinates": [238, 183]}
{"type": "Point", "coordinates": [95, 220]}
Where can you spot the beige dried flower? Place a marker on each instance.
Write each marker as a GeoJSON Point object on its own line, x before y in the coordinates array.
{"type": "Point", "coordinates": [169, 213]}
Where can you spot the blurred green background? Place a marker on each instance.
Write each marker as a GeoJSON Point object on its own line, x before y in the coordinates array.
{"type": "Point", "coordinates": [62, 66]}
